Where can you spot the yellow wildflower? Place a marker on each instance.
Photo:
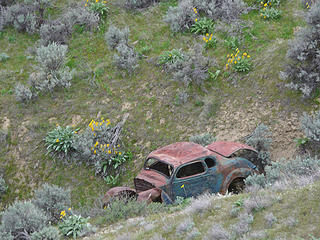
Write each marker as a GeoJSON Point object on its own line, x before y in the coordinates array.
{"type": "Point", "coordinates": [109, 151]}
{"type": "Point", "coordinates": [95, 151]}
{"type": "Point", "coordinates": [245, 54]}
{"type": "Point", "coordinates": [86, 5]}
{"type": "Point", "coordinates": [265, 5]}
{"type": "Point", "coordinates": [69, 209]}
{"type": "Point", "coordinates": [57, 140]}
{"type": "Point", "coordinates": [228, 55]}
{"type": "Point", "coordinates": [108, 145]}
{"type": "Point", "coordinates": [210, 39]}
{"type": "Point", "coordinates": [204, 39]}
{"type": "Point", "coordinates": [235, 62]}
{"type": "Point", "coordinates": [238, 58]}
{"type": "Point", "coordinates": [207, 34]}
{"type": "Point", "coordinates": [248, 56]}
{"type": "Point", "coordinates": [182, 186]}
{"type": "Point", "coordinates": [120, 153]}
{"type": "Point", "coordinates": [196, 19]}
{"type": "Point", "coordinates": [261, 2]}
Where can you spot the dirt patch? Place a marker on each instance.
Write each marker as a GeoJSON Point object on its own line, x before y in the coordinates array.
{"type": "Point", "coordinates": [5, 124]}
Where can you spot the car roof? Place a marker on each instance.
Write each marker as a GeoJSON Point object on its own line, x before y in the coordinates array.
{"type": "Point", "coordinates": [179, 153]}
{"type": "Point", "coordinates": [226, 149]}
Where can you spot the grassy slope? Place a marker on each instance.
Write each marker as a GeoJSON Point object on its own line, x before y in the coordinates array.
{"type": "Point", "coordinates": [148, 92]}
{"type": "Point", "coordinates": [302, 205]}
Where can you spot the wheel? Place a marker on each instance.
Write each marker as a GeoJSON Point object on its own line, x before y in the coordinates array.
{"type": "Point", "coordinates": [236, 186]}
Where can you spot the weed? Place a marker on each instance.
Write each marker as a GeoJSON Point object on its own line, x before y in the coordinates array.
{"type": "Point", "coordinates": [171, 57]}
{"type": "Point", "coordinates": [270, 219]}
{"type": "Point", "coordinates": [202, 26]}
{"type": "Point", "coordinates": [23, 93]}
{"type": "Point", "coordinates": [232, 42]}
{"type": "Point", "coordinates": [3, 57]}
{"type": "Point", "coordinates": [55, 31]}
{"type": "Point", "coordinates": [200, 205]}
{"type": "Point", "coordinates": [126, 59]}
{"type": "Point", "coordinates": [114, 36]}
{"type": "Point", "coordinates": [210, 41]}
{"type": "Point", "coordinates": [185, 226]}
{"type": "Point", "coordinates": [72, 225]}
{"type": "Point", "coordinates": [240, 63]}
{"type": "Point", "coordinates": [99, 7]}
{"type": "Point", "coordinates": [270, 13]}
{"type": "Point", "coordinates": [217, 232]}
{"type": "Point", "coordinates": [311, 126]}
{"type": "Point", "coordinates": [243, 226]}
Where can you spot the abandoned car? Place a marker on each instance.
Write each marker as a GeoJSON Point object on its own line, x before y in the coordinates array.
{"type": "Point", "coordinates": [187, 169]}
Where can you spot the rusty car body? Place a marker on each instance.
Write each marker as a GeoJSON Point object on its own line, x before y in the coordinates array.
{"type": "Point", "coordinates": [186, 169]}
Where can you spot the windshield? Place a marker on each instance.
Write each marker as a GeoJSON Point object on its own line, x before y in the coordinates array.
{"type": "Point", "coordinates": [159, 166]}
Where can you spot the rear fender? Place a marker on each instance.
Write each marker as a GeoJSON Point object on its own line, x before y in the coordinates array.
{"type": "Point", "coordinates": [237, 173]}
{"type": "Point", "coordinates": [119, 193]}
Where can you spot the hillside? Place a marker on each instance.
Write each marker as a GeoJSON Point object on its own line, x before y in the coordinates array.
{"type": "Point", "coordinates": [161, 110]}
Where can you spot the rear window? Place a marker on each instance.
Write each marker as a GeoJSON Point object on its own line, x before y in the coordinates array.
{"type": "Point", "coordinates": [159, 166]}
{"type": "Point", "coordinates": [190, 170]}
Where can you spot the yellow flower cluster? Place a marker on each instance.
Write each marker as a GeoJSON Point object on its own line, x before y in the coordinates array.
{"type": "Point", "coordinates": [195, 11]}
{"type": "Point", "coordinates": [209, 38]}
{"type": "Point", "coordinates": [94, 124]}
{"type": "Point", "coordinates": [265, 5]}
{"type": "Point", "coordinates": [235, 58]}
{"type": "Point", "coordinates": [307, 4]}
{"type": "Point", "coordinates": [63, 213]}
{"type": "Point", "coordinates": [95, 1]}
{"type": "Point", "coordinates": [104, 148]}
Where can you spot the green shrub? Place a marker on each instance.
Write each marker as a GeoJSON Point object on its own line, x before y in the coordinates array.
{"type": "Point", "coordinates": [52, 199]}
{"type": "Point", "coordinates": [270, 13]}
{"type": "Point", "coordinates": [203, 139]}
{"type": "Point", "coordinates": [73, 226]}
{"type": "Point", "coordinates": [60, 140]}
{"type": "Point", "coordinates": [210, 41]}
{"type": "Point", "coordinates": [202, 26]}
{"type": "Point", "coordinates": [124, 209]}
{"type": "Point", "coordinates": [47, 233]}
{"type": "Point", "coordinates": [3, 57]}
{"type": "Point", "coordinates": [311, 126]}
{"type": "Point", "coordinates": [99, 7]}
{"type": "Point", "coordinates": [171, 57]}
{"type": "Point", "coordinates": [23, 218]}
{"type": "Point", "coordinates": [240, 63]}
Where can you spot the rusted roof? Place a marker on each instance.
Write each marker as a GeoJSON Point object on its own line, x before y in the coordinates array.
{"type": "Point", "coordinates": [180, 153]}
{"type": "Point", "coordinates": [227, 148]}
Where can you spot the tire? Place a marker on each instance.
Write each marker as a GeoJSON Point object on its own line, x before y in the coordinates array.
{"type": "Point", "coordinates": [236, 186]}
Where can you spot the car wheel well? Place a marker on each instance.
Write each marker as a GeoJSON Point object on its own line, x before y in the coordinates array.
{"type": "Point", "coordinates": [237, 185]}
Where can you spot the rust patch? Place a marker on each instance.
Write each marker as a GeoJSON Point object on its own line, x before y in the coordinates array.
{"type": "Point", "coordinates": [226, 149]}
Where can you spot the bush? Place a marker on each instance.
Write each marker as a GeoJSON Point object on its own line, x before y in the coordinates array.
{"type": "Point", "coordinates": [55, 31]}
{"type": "Point", "coordinates": [60, 140]}
{"type": "Point", "coordinates": [98, 7]}
{"type": "Point", "coordinates": [52, 70]}
{"type": "Point", "coordinates": [181, 17]}
{"type": "Point", "coordinates": [124, 209]}
{"type": "Point", "coordinates": [126, 59]}
{"type": "Point", "coordinates": [210, 41]}
{"type": "Point", "coordinates": [3, 186]}
{"type": "Point", "coordinates": [217, 232]}
{"type": "Point", "coordinates": [203, 139]}
{"type": "Point", "coordinates": [99, 145]}
{"type": "Point", "coordinates": [194, 69]}
{"type": "Point", "coordinates": [311, 126]}
{"type": "Point", "coordinates": [5, 235]}
{"type": "Point", "coordinates": [3, 57]}
{"type": "Point", "coordinates": [52, 199]}
{"type": "Point", "coordinates": [47, 233]}
{"type": "Point", "coordinates": [23, 93]}
{"type": "Point", "coordinates": [303, 69]}
{"type": "Point", "coordinates": [114, 36]}
{"type": "Point", "coordinates": [200, 205]}
{"type": "Point", "coordinates": [40, 7]}
{"type": "Point", "coordinates": [202, 26]}
{"type": "Point", "coordinates": [134, 4]}
{"type": "Point", "coordinates": [270, 219]}
{"type": "Point", "coordinates": [23, 218]}
{"type": "Point", "coordinates": [226, 10]}
{"type": "Point", "coordinates": [78, 14]}
{"type": "Point", "coordinates": [243, 226]}
{"type": "Point", "coordinates": [270, 13]}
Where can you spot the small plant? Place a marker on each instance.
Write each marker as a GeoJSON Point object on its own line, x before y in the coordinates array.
{"type": "Point", "coordinates": [270, 13]}
{"type": "Point", "coordinates": [72, 225]}
{"type": "Point", "coordinates": [47, 233]}
{"type": "Point", "coordinates": [202, 26]}
{"type": "Point", "coordinates": [203, 139]}
{"type": "Point", "coordinates": [111, 180]}
{"type": "Point", "coordinates": [55, 31]}
{"type": "Point", "coordinates": [232, 42]}
{"type": "Point", "coordinates": [214, 76]}
{"type": "Point", "coordinates": [311, 126]}
{"type": "Point", "coordinates": [301, 141]}
{"type": "Point", "coordinates": [52, 199]}
{"type": "Point", "coordinates": [210, 41]}
{"type": "Point", "coordinates": [238, 203]}
{"type": "Point", "coordinates": [270, 219]}
{"type": "Point", "coordinates": [3, 57]}
{"type": "Point", "coordinates": [171, 57]}
{"type": "Point", "coordinates": [98, 7]}
{"type": "Point", "coordinates": [239, 63]}
{"type": "Point", "coordinates": [60, 140]}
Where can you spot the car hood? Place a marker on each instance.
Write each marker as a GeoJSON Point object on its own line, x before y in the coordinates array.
{"type": "Point", "coordinates": [148, 179]}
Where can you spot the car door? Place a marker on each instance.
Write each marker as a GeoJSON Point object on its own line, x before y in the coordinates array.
{"type": "Point", "coordinates": [190, 180]}
{"type": "Point", "coordinates": [215, 178]}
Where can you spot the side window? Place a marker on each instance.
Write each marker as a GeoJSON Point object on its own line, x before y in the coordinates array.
{"type": "Point", "coordinates": [191, 169]}
{"type": "Point", "coordinates": [210, 162]}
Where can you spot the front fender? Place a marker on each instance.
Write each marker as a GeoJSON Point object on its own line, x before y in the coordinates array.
{"type": "Point", "coordinates": [236, 173]}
